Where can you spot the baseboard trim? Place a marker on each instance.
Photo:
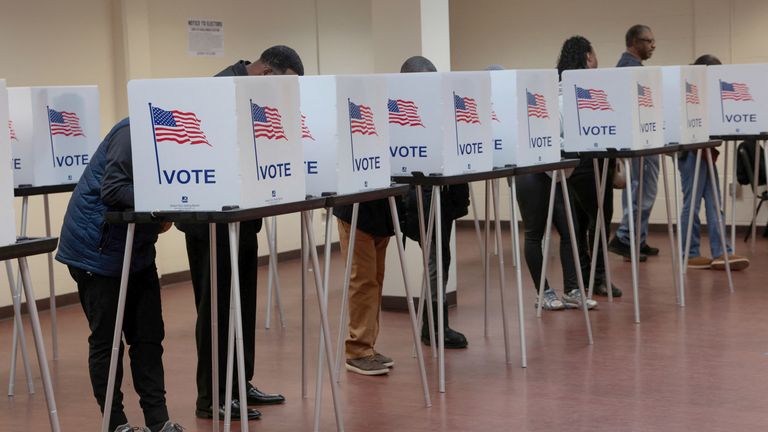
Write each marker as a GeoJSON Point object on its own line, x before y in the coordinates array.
{"type": "Point", "coordinates": [399, 304]}
{"type": "Point", "coordinates": [42, 304]}
{"type": "Point", "coordinates": [741, 230]}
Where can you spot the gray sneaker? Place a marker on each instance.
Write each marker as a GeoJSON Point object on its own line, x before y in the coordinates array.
{"type": "Point", "coordinates": [171, 427]}
{"type": "Point", "coordinates": [573, 299]}
{"type": "Point", "coordinates": [366, 366]}
{"type": "Point", "coordinates": [128, 428]}
{"type": "Point", "coordinates": [381, 358]}
{"type": "Point", "coordinates": [550, 301]}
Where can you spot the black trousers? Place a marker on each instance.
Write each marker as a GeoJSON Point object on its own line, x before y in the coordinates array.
{"type": "Point", "coordinates": [144, 332]}
{"type": "Point", "coordinates": [582, 183]}
{"type": "Point", "coordinates": [199, 266]}
{"type": "Point", "coordinates": [533, 200]}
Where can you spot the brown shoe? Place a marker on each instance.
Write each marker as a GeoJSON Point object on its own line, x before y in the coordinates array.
{"type": "Point", "coordinates": [737, 262]}
{"type": "Point", "coordinates": [700, 262]}
{"type": "Point", "coordinates": [366, 366]}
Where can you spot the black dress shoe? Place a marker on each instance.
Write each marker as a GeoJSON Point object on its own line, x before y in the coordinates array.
{"type": "Point", "coordinates": [258, 397]}
{"type": "Point", "coordinates": [208, 413]}
{"type": "Point", "coordinates": [646, 249]}
{"type": "Point", "coordinates": [601, 290]}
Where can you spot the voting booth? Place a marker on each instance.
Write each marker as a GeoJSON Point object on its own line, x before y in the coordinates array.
{"type": "Point", "coordinates": [685, 104]}
{"type": "Point", "coordinates": [345, 133]}
{"type": "Point", "coordinates": [205, 144]}
{"type": "Point", "coordinates": [613, 108]}
{"type": "Point", "coordinates": [440, 123]}
{"type": "Point", "coordinates": [525, 116]}
{"type": "Point", "coordinates": [738, 99]}
{"type": "Point", "coordinates": [7, 213]}
{"type": "Point", "coordinates": [54, 131]}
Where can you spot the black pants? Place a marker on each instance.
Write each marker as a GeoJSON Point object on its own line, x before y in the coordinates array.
{"type": "Point", "coordinates": [144, 332]}
{"type": "Point", "coordinates": [199, 266]}
{"type": "Point", "coordinates": [582, 183]}
{"type": "Point", "coordinates": [533, 200]}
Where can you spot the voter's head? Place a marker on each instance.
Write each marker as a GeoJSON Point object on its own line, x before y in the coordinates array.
{"type": "Point", "coordinates": [640, 41]}
{"type": "Point", "coordinates": [277, 60]}
{"type": "Point", "coordinates": [576, 53]}
{"type": "Point", "coordinates": [417, 64]}
{"type": "Point", "coordinates": [707, 60]}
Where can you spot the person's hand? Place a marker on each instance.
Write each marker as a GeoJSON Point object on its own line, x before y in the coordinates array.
{"type": "Point", "coordinates": [165, 226]}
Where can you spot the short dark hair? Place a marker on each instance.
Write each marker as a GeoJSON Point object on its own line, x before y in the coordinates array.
{"type": "Point", "coordinates": [634, 33]}
{"type": "Point", "coordinates": [418, 64]}
{"type": "Point", "coordinates": [573, 55]}
{"type": "Point", "coordinates": [282, 58]}
{"type": "Point", "coordinates": [707, 60]}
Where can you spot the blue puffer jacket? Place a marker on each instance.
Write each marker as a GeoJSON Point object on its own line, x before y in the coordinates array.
{"type": "Point", "coordinates": [87, 241]}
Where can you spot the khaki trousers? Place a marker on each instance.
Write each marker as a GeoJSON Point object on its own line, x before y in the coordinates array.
{"type": "Point", "coordinates": [366, 281]}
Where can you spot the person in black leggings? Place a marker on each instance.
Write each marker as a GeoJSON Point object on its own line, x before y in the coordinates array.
{"type": "Point", "coordinates": [577, 53]}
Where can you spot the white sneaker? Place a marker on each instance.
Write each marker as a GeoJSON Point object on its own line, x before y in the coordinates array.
{"type": "Point", "coordinates": [573, 298]}
{"type": "Point", "coordinates": [128, 428]}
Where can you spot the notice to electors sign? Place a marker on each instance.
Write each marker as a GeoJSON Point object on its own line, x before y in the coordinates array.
{"type": "Point", "coordinates": [206, 37]}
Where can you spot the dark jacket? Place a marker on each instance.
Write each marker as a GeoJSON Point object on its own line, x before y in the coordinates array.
{"type": "Point", "coordinates": [87, 241]}
{"type": "Point", "coordinates": [628, 59]}
{"type": "Point", "coordinates": [373, 217]}
{"type": "Point", "coordinates": [454, 203]}
{"type": "Point", "coordinates": [200, 229]}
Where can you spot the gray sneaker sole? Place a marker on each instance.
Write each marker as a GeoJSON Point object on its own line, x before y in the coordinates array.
{"type": "Point", "coordinates": [371, 372]}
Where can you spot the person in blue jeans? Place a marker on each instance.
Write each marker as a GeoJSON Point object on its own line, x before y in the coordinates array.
{"type": "Point", "coordinates": [640, 46]}
{"type": "Point", "coordinates": [705, 190]}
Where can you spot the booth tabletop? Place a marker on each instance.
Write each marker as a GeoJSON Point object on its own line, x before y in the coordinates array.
{"type": "Point", "coordinates": [625, 153]}
{"type": "Point", "coordinates": [763, 136]}
{"type": "Point", "coordinates": [701, 145]}
{"type": "Point", "coordinates": [26, 246]}
{"type": "Point", "coordinates": [223, 216]}
{"type": "Point", "coordinates": [371, 195]}
{"type": "Point", "coordinates": [535, 169]}
{"type": "Point", "coordinates": [441, 180]}
{"type": "Point", "coordinates": [22, 191]}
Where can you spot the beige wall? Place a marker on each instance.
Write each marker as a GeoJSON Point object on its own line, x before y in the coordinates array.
{"type": "Point", "coordinates": [523, 34]}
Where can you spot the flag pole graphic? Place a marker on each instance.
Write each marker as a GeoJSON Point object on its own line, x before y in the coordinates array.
{"type": "Point", "coordinates": [154, 138]}
{"type": "Point", "coordinates": [50, 134]}
{"type": "Point", "coordinates": [255, 151]}
{"type": "Point", "coordinates": [528, 117]}
{"type": "Point", "coordinates": [456, 124]}
{"type": "Point", "coordinates": [578, 115]}
{"type": "Point", "coordinates": [351, 140]}
{"type": "Point", "coordinates": [722, 109]}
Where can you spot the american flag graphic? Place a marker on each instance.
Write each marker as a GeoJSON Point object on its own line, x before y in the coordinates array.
{"type": "Point", "coordinates": [734, 91]}
{"type": "Point", "coordinates": [404, 113]}
{"type": "Point", "coordinates": [494, 117]}
{"type": "Point", "coordinates": [595, 100]}
{"type": "Point", "coordinates": [691, 94]}
{"type": "Point", "coordinates": [644, 96]}
{"type": "Point", "coordinates": [12, 131]}
{"type": "Point", "coordinates": [305, 133]}
{"type": "Point", "coordinates": [466, 109]}
{"type": "Point", "coordinates": [267, 122]}
{"type": "Point", "coordinates": [537, 105]}
{"type": "Point", "coordinates": [361, 119]}
{"type": "Point", "coordinates": [177, 126]}
{"type": "Point", "coordinates": [64, 123]}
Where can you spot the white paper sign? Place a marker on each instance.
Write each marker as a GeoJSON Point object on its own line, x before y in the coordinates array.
{"type": "Point", "coordinates": [203, 144]}
{"type": "Point", "coordinates": [346, 117]}
{"type": "Point", "coordinates": [525, 117]}
{"type": "Point", "coordinates": [618, 108]}
{"type": "Point", "coordinates": [56, 131]}
{"type": "Point", "coordinates": [440, 123]}
{"type": "Point", "coordinates": [685, 104]}
{"type": "Point", "coordinates": [205, 38]}
{"type": "Point", "coordinates": [7, 213]}
{"type": "Point", "coordinates": [738, 99]}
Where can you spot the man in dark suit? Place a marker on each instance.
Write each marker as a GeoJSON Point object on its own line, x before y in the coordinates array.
{"type": "Point", "coordinates": [277, 60]}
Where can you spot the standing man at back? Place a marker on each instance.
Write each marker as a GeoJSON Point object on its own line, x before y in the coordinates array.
{"type": "Point", "coordinates": [640, 46]}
